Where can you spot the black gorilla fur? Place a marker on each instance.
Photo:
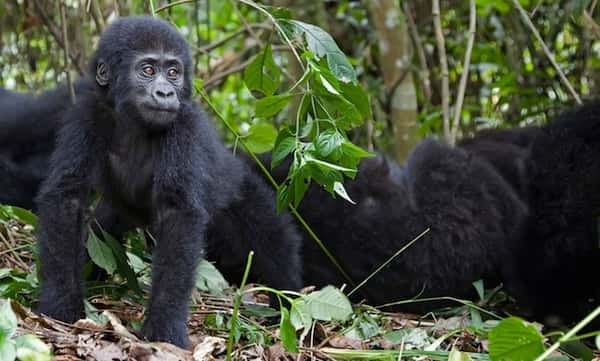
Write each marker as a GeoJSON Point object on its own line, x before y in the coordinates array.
{"type": "Point", "coordinates": [518, 206]}
{"type": "Point", "coordinates": [28, 126]}
{"type": "Point", "coordinates": [470, 209]}
{"type": "Point", "coordinates": [558, 173]}
{"type": "Point", "coordinates": [135, 136]}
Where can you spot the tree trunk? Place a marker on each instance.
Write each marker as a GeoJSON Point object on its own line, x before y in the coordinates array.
{"type": "Point", "coordinates": [395, 56]}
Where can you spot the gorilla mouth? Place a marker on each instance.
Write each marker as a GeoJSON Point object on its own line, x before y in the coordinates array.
{"type": "Point", "coordinates": [159, 109]}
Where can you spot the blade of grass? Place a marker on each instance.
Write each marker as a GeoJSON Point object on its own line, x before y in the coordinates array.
{"type": "Point", "coordinates": [388, 261]}
{"type": "Point", "coordinates": [236, 306]}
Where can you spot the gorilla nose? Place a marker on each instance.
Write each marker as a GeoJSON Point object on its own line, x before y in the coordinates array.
{"type": "Point", "coordinates": [165, 98]}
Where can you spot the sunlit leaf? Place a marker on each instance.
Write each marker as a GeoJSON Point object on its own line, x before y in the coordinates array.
{"type": "Point", "coordinates": [329, 304]}
{"type": "Point", "coordinates": [269, 106]}
{"type": "Point", "coordinates": [263, 75]}
{"type": "Point", "coordinates": [209, 279]}
{"type": "Point", "coordinates": [261, 137]}
{"type": "Point", "coordinates": [515, 340]}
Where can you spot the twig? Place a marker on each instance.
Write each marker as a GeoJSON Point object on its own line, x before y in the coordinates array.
{"type": "Point", "coordinates": [547, 51]}
{"type": "Point", "coordinates": [170, 5]}
{"type": "Point", "coordinates": [418, 42]}
{"type": "Point", "coordinates": [464, 77]}
{"type": "Point", "coordinates": [63, 21]}
{"type": "Point", "coordinates": [536, 8]}
{"type": "Point", "coordinates": [218, 43]}
{"type": "Point", "coordinates": [97, 15]}
{"type": "Point", "coordinates": [53, 30]}
{"type": "Point", "coordinates": [441, 46]}
{"type": "Point", "coordinates": [569, 334]}
{"type": "Point", "coordinates": [384, 264]}
{"type": "Point", "coordinates": [593, 7]}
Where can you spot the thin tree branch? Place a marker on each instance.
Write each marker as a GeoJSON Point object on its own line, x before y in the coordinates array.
{"type": "Point", "coordinates": [418, 42]}
{"type": "Point", "coordinates": [63, 21]}
{"type": "Point", "coordinates": [56, 34]}
{"type": "Point", "coordinates": [547, 51]}
{"type": "Point", "coordinates": [97, 15]}
{"type": "Point", "coordinates": [170, 5]}
{"type": "Point", "coordinates": [441, 47]}
{"type": "Point", "coordinates": [464, 77]}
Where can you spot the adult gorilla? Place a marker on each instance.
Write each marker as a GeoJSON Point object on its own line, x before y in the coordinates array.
{"type": "Point", "coordinates": [28, 124]}
{"type": "Point", "coordinates": [135, 137]}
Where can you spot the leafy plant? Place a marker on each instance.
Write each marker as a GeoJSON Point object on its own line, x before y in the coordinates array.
{"type": "Point", "coordinates": [24, 347]}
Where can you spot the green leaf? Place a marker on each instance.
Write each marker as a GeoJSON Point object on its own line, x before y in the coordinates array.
{"type": "Point", "coordinates": [287, 333]}
{"type": "Point", "coordinates": [598, 342]}
{"type": "Point", "coordinates": [263, 75]}
{"type": "Point", "coordinates": [329, 304]}
{"type": "Point", "coordinates": [269, 106]}
{"type": "Point", "coordinates": [25, 216]}
{"type": "Point", "coordinates": [300, 314]}
{"type": "Point", "coordinates": [261, 137]}
{"type": "Point", "coordinates": [284, 196]}
{"type": "Point", "coordinates": [101, 254]}
{"type": "Point", "coordinates": [209, 279]}
{"type": "Point", "coordinates": [31, 348]}
{"type": "Point", "coordinates": [328, 141]}
{"type": "Point", "coordinates": [8, 351]}
{"type": "Point", "coordinates": [284, 145]}
{"type": "Point", "coordinates": [355, 94]}
{"type": "Point", "coordinates": [122, 261]}
{"type": "Point", "coordinates": [338, 109]}
{"type": "Point", "coordinates": [515, 340]}
{"type": "Point", "coordinates": [323, 46]}
{"type": "Point", "coordinates": [8, 321]}
{"type": "Point", "coordinates": [339, 189]}
{"type": "Point", "coordinates": [479, 288]}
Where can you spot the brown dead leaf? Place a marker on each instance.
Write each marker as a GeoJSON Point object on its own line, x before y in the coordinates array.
{"type": "Point", "coordinates": [276, 352]}
{"type": "Point", "coordinates": [118, 327]}
{"type": "Point", "coordinates": [345, 342]}
{"type": "Point", "coordinates": [88, 324]}
{"type": "Point", "coordinates": [109, 352]}
{"type": "Point", "coordinates": [208, 348]}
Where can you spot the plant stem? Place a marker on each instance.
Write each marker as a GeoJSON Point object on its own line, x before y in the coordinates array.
{"type": "Point", "coordinates": [236, 306]}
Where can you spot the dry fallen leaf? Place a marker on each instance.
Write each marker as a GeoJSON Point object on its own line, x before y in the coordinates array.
{"type": "Point", "coordinates": [209, 347]}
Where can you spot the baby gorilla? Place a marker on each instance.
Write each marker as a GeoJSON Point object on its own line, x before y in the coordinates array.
{"type": "Point", "coordinates": [136, 138]}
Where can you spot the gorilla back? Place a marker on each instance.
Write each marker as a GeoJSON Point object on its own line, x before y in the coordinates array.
{"type": "Point", "coordinates": [136, 137]}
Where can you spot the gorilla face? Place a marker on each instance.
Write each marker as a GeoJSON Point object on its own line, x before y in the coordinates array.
{"type": "Point", "coordinates": [150, 88]}
{"type": "Point", "coordinates": [157, 81]}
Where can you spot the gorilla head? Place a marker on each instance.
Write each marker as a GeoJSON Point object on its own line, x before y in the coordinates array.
{"type": "Point", "coordinates": [144, 66]}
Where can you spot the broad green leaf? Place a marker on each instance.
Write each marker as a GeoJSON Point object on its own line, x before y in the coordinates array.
{"type": "Point", "coordinates": [284, 145]}
{"type": "Point", "coordinates": [328, 141]}
{"type": "Point", "coordinates": [261, 137]}
{"type": "Point", "coordinates": [122, 261]}
{"type": "Point", "coordinates": [355, 94]}
{"type": "Point", "coordinates": [479, 288]}
{"type": "Point", "coordinates": [263, 75]}
{"type": "Point", "coordinates": [323, 46]}
{"type": "Point", "coordinates": [329, 304]}
{"type": "Point", "coordinates": [31, 348]}
{"type": "Point", "coordinates": [355, 151]}
{"type": "Point", "coordinates": [209, 279]}
{"type": "Point", "coordinates": [301, 184]}
{"type": "Point", "coordinates": [8, 350]}
{"type": "Point", "coordinates": [287, 333]}
{"type": "Point", "coordinates": [300, 314]}
{"type": "Point", "coordinates": [515, 340]}
{"type": "Point", "coordinates": [8, 321]}
{"type": "Point", "coordinates": [338, 109]}
{"type": "Point", "coordinates": [598, 342]}
{"type": "Point", "coordinates": [101, 254]}
{"type": "Point", "coordinates": [269, 106]}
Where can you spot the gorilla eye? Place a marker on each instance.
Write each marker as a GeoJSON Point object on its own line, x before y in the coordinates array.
{"type": "Point", "coordinates": [172, 73]}
{"type": "Point", "coordinates": [148, 70]}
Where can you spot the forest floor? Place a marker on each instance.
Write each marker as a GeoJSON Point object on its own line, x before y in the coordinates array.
{"type": "Point", "coordinates": [110, 333]}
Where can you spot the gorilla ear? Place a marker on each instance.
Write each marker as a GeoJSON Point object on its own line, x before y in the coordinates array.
{"type": "Point", "coordinates": [102, 73]}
